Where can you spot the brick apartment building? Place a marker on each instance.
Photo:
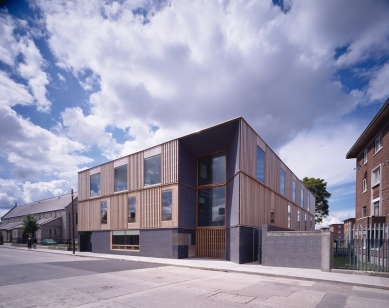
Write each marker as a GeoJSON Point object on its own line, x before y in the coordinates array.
{"type": "Point", "coordinates": [348, 228]}
{"type": "Point", "coordinates": [371, 151]}
{"type": "Point", "coordinates": [338, 231]}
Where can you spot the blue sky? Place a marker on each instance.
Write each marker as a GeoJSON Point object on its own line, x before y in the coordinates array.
{"type": "Point", "coordinates": [84, 82]}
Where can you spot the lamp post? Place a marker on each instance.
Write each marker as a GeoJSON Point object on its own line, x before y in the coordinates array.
{"type": "Point", "coordinates": [73, 241]}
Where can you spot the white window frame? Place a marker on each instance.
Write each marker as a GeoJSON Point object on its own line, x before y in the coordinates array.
{"type": "Point", "coordinates": [372, 206]}
{"type": "Point", "coordinates": [365, 157]}
{"type": "Point", "coordinates": [364, 185]}
{"type": "Point", "coordinates": [289, 217]}
{"type": "Point", "coordinates": [374, 177]}
{"type": "Point", "coordinates": [378, 144]}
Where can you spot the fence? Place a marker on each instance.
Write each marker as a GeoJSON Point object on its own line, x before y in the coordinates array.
{"type": "Point", "coordinates": [364, 248]}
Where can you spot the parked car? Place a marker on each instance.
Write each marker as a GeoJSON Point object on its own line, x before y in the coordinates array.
{"type": "Point", "coordinates": [49, 242]}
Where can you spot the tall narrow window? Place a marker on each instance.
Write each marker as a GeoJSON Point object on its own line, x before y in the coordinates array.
{"type": "Point", "coordinates": [311, 223]}
{"type": "Point", "coordinates": [95, 185]}
{"type": "Point", "coordinates": [212, 169]}
{"type": "Point", "coordinates": [376, 206]}
{"type": "Point", "coordinates": [211, 207]}
{"type": "Point", "coordinates": [260, 165]}
{"type": "Point", "coordinates": [272, 217]}
{"type": "Point", "coordinates": [289, 217]}
{"type": "Point", "coordinates": [104, 212]}
{"type": "Point", "coordinates": [378, 144]}
{"type": "Point", "coordinates": [305, 222]}
{"type": "Point", "coordinates": [308, 202]}
{"type": "Point", "coordinates": [376, 176]}
{"type": "Point", "coordinates": [364, 211]}
{"type": "Point", "coordinates": [121, 178]}
{"type": "Point", "coordinates": [298, 218]}
{"type": "Point", "coordinates": [282, 182]}
{"type": "Point", "coordinates": [365, 156]}
{"type": "Point", "coordinates": [131, 209]}
{"type": "Point", "coordinates": [294, 191]}
{"type": "Point", "coordinates": [302, 198]}
{"type": "Point", "coordinates": [364, 185]}
{"type": "Point", "coordinates": [167, 205]}
{"type": "Point", "coordinates": [153, 170]}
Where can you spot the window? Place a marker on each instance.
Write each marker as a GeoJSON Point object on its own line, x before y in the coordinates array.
{"type": "Point", "coordinates": [282, 182]}
{"type": "Point", "coordinates": [308, 202]}
{"type": "Point", "coordinates": [376, 176]}
{"type": "Point", "coordinates": [260, 165]}
{"type": "Point", "coordinates": [376, 207]}
{"type": "Point", "coordinates": [95, 185]}
{"type": "Point", "coordinates": [272, 217]}
{"type": "Point", "coordinates": [311, 223]}
{"type": "Point", "coordinates": [120, 178]}
{"type": "Point", "coordinates": [211, 207]}
{"type": "Point", "coordinates": [153, 170]}
{"type": "Point", "coordinates": [104, 212]}
{"type": "Point", "coordinates": [364, 186]}
{"type": "Point", "coordinates": [298, 218]}
{"type": "Point", "coordinates": [50, 231]}
{"type": "Point", "coordinates": [125, 239]}
{"type": "Point", "coordinates": [364, 211]}
{"type": "Point", "coordinates": [131, 209]}
{"type": "Point", "coordinates": [305, 222]}
{"type": "Point", "coordinates": [302, 198]}
{"type": "Point", "coordinates": [212, 169]}
{"type": "Point", "coordinates": [378, 144]}
{"type": "Point", "coordinates": [167, 205]}
{"type": "Point", "coordinates": [294, 191]}
{"type": "Point", "coordinates": [55, 231]}
{"type": "Point", "coordinates": [365, 156]}
{"type": "Point", "coordinates": [289, 216]}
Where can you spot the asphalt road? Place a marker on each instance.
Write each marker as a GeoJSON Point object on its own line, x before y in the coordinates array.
{"type": "Point", "coordinates": [38, 279]}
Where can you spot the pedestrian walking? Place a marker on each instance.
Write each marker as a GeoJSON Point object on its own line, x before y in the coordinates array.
{"type": "Point", "coordinates": [34, 243]}
{"type": "Point", "coordinates": [29, 242]}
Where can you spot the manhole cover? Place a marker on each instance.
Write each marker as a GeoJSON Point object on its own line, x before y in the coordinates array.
{"type": "Point", "coordinates": [233, 298]}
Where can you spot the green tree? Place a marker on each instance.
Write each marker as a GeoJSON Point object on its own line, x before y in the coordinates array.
{"type": "Point", "coordinates": [318, 187]}
{"type": "Point", "coordinates": [30, 224]}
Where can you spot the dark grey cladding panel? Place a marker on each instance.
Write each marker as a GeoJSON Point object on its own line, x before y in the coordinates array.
{"type": "Point", "coordinates": [232, 235]}
{"type": "Point", "coordinates": [212, 139]}
{"type": "Point", "coordinates": [232, 201]}
{"type": "Point", "coordinates": [233, 154]}
{"type": "Point", "coordinates": [187, 164]}
{"type": "Point", "coordinates": [101, 242]}
{"type": "Point", "coordinates": [240, 244]}
{"type": "Point", "coordinates": [187, 207]}
{"type": "Point", "coordinates": [156, 243]}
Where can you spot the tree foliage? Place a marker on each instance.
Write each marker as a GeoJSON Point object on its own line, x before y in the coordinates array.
{"type": "Point", "coordinates": [318, 187]}
{"type": "Point", "coordinates": [30, 224]}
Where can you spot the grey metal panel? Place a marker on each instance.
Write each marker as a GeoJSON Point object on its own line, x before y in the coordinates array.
{"type": "Point", "coordinates": [187, 207]}
{"type": "Point", "coordinates": [232, 201]}
{"type": "Point", "coordinates": [187, 165]}
{"type": "Point", "coordinates": [233, 154]}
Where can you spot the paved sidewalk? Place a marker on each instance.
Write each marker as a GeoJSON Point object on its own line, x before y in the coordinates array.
{"type": "Point", "coordinates": [363, 279]}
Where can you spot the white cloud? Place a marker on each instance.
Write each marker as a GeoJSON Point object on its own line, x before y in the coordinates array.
{"type": "Point", "coordinates": [44, 190]}
{"type": "Point", "coordinates": [378, 88]}
{"type": "Point", "coordinates": [336, 218]}
{"type": "Point", "coordinates": [12, 93]}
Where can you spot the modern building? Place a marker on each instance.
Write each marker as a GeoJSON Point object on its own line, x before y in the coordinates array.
{"type": "Point", "coordinates": [54, 217]}
{"type": "Point", "coordinates": [371, 151]}
{"type": "Point", "coordinates": [202, 195]}
{"type": "Point", "coordinates": [338, 231]}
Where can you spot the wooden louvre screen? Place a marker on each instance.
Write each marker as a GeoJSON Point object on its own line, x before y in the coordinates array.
{"type": "Point", "coordinates": [211, 243]}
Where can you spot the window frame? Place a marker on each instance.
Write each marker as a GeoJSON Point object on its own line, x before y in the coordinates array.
{"type": "Point", "coordinates": [289, 217]}
{"type": "Point", "coordinates": [365, 157]}
{"type": "Point", "coordinates": [282, 182]}
{"type": "Point", "coordinates": [379, 143]}
{"type": "Point", "coordinates": [98, 194]}
{"type": "Point", "coordinates": [364, 211]}
{"type": "Point", "coordinates": [101, 212]}
{"type": "Point", "coordinates": [262, 179]}
{"type": "Point", "coordinates": [308, 202]}
{"type": "Point", "coordinates": [114, 178]}
{"type": "Point", "coordinates": [128, 210]}
{"type": "Point", "coordinates": [373, 177]}
{"type": "Point", "coordinates": [171, 204]}
{"type": "Point", "coordinates": [124, 246]}
{"type": "Point", "coordinates": [200, 163]}
{"type": "Point", "coordinates": [145, 173]}
{"type": "Point", "coordinates": [364, 185]}
{"type": "Point", "coordinates": [301, 197]}
{"type": "Point", "coordinates": [293, 191]}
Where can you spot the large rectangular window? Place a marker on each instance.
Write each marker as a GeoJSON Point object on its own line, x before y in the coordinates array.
{"type": "Point", "coordinates": [211, 207]}
{"type": "Point", "coordinates": [282, 182]}
{"type": "Point", "coordinates": [212, 169]}
{"type": "Point", "coordinates": [125, 239]}
{"type": "Point", "coordinates": [153, 170]}
{"type": "Point", "coordinates": [289, 216]}
{"type": "Point", "coordinates": [104, 212]}
{"type": "Point", "coordinates": [95, 185]}
{"type": "Point", "coordinates": [132, 209]}
{"type": "Point", "coordinates": [260, 165]}
{"type": "Point", "coordinates": [294, 191]}
{"type": "Point", "coordinates": [121, 178]}
{"type": "Point", "coordinates": [167, 205]}
{"type": "Point", "coordinates": [302, 198]}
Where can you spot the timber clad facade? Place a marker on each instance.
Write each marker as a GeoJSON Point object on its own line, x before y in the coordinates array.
{"type": "Point", "coordinates": [199, 195]}
{"type": "Point", "coordinates": [372, 177]}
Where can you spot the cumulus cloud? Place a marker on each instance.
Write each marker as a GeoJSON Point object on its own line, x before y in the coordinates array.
{"type": "Point", "coordinates": [378, 86]}
{"type": "Point", "coordinates": [44, 190]}
{"type": "Point", "coordinates": [336, 217]}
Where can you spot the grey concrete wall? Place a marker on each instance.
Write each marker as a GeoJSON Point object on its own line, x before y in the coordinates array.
{"type": "Point", "coordinates": [300, 249]}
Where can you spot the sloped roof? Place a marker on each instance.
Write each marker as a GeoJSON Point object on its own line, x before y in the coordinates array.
{"type": "Point", "coordinates": [11, 225]}
{"type": "Point", "coordinates": [42, 206]}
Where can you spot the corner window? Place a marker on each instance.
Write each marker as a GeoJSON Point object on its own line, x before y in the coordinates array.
{"type": "Point", "coordinates": [211, 207]}
{"type": "Point", "coordinates": [378, 144]}
{"type": "Point", "coordinates": [104, 212]}
{"type": "Point", "coordinates": [364, 185]}
{"type": "Point", "coordinates": [95, 185]}
{"type": "Point", "coordinates": [125, 239]}
{"type": "Point", "coordinates": [302, 198]}
{"type": "Point", "coordinates": [166, 205]}
{"type": "Point", "coordinates": [282, 182]}
{"type": "Point", "coordinates": [294, 191]}
{"type": "Point", "coordinates": [365, 156]}
{"type": "Point", "coordinates": [289, 216]}
{"type": "Point", "coordinates": [260, 165]}
{"type": "Point", "coordinates": [131, 209]}
{"type": "Point", "coordinates": [212, 169]}
{"type": "Point", "coordinates": [153, 170]}
{"type": "Point", "coordinates": [120, 178]}
{"type": "Point", "coordinates": [376, 176]}
{"type": "Point", "coordinates": [308, 202]}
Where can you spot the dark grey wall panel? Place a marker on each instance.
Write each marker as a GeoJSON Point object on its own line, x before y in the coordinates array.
{"type": "Point", "coordinates": [156, 243]}
{"type": "Point", "coordinates": [233, 154]}
{"type": "Point", "coordinates": [232, 202]}
{"type": "Point", "coordinates": [187, 208]}
{"type": "Point", "coordinates": [187, 164]}
{"type": "Point", "coordinates": [233, 244]}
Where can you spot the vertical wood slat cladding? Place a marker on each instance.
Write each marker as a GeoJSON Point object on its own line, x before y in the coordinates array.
{"type": "Point", "coordinates": [90, 215]}
{"type": "Point", "coordinates": [120, 162]}
{"type": "Point", "coordinates": [106, 179]}
{"type": "Point", "coordinates": [151, 208]}
{"type": "Point", "coordinates": [83, 187]}
{"type": "Point", "coordinates": [211, 243]}
{"type": "Point", "coordinates": [169, 162]}
{"type": "Point", "coordinates": [248, 150]}
{"type": "Point", "coordinates": [152, 152]}
{"type": "Point", "coordinates": [135, 174]}
{"type": "Point", "coordinates": [272, 170]}
{"type": "Point", "coordinates": [118, 211]}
